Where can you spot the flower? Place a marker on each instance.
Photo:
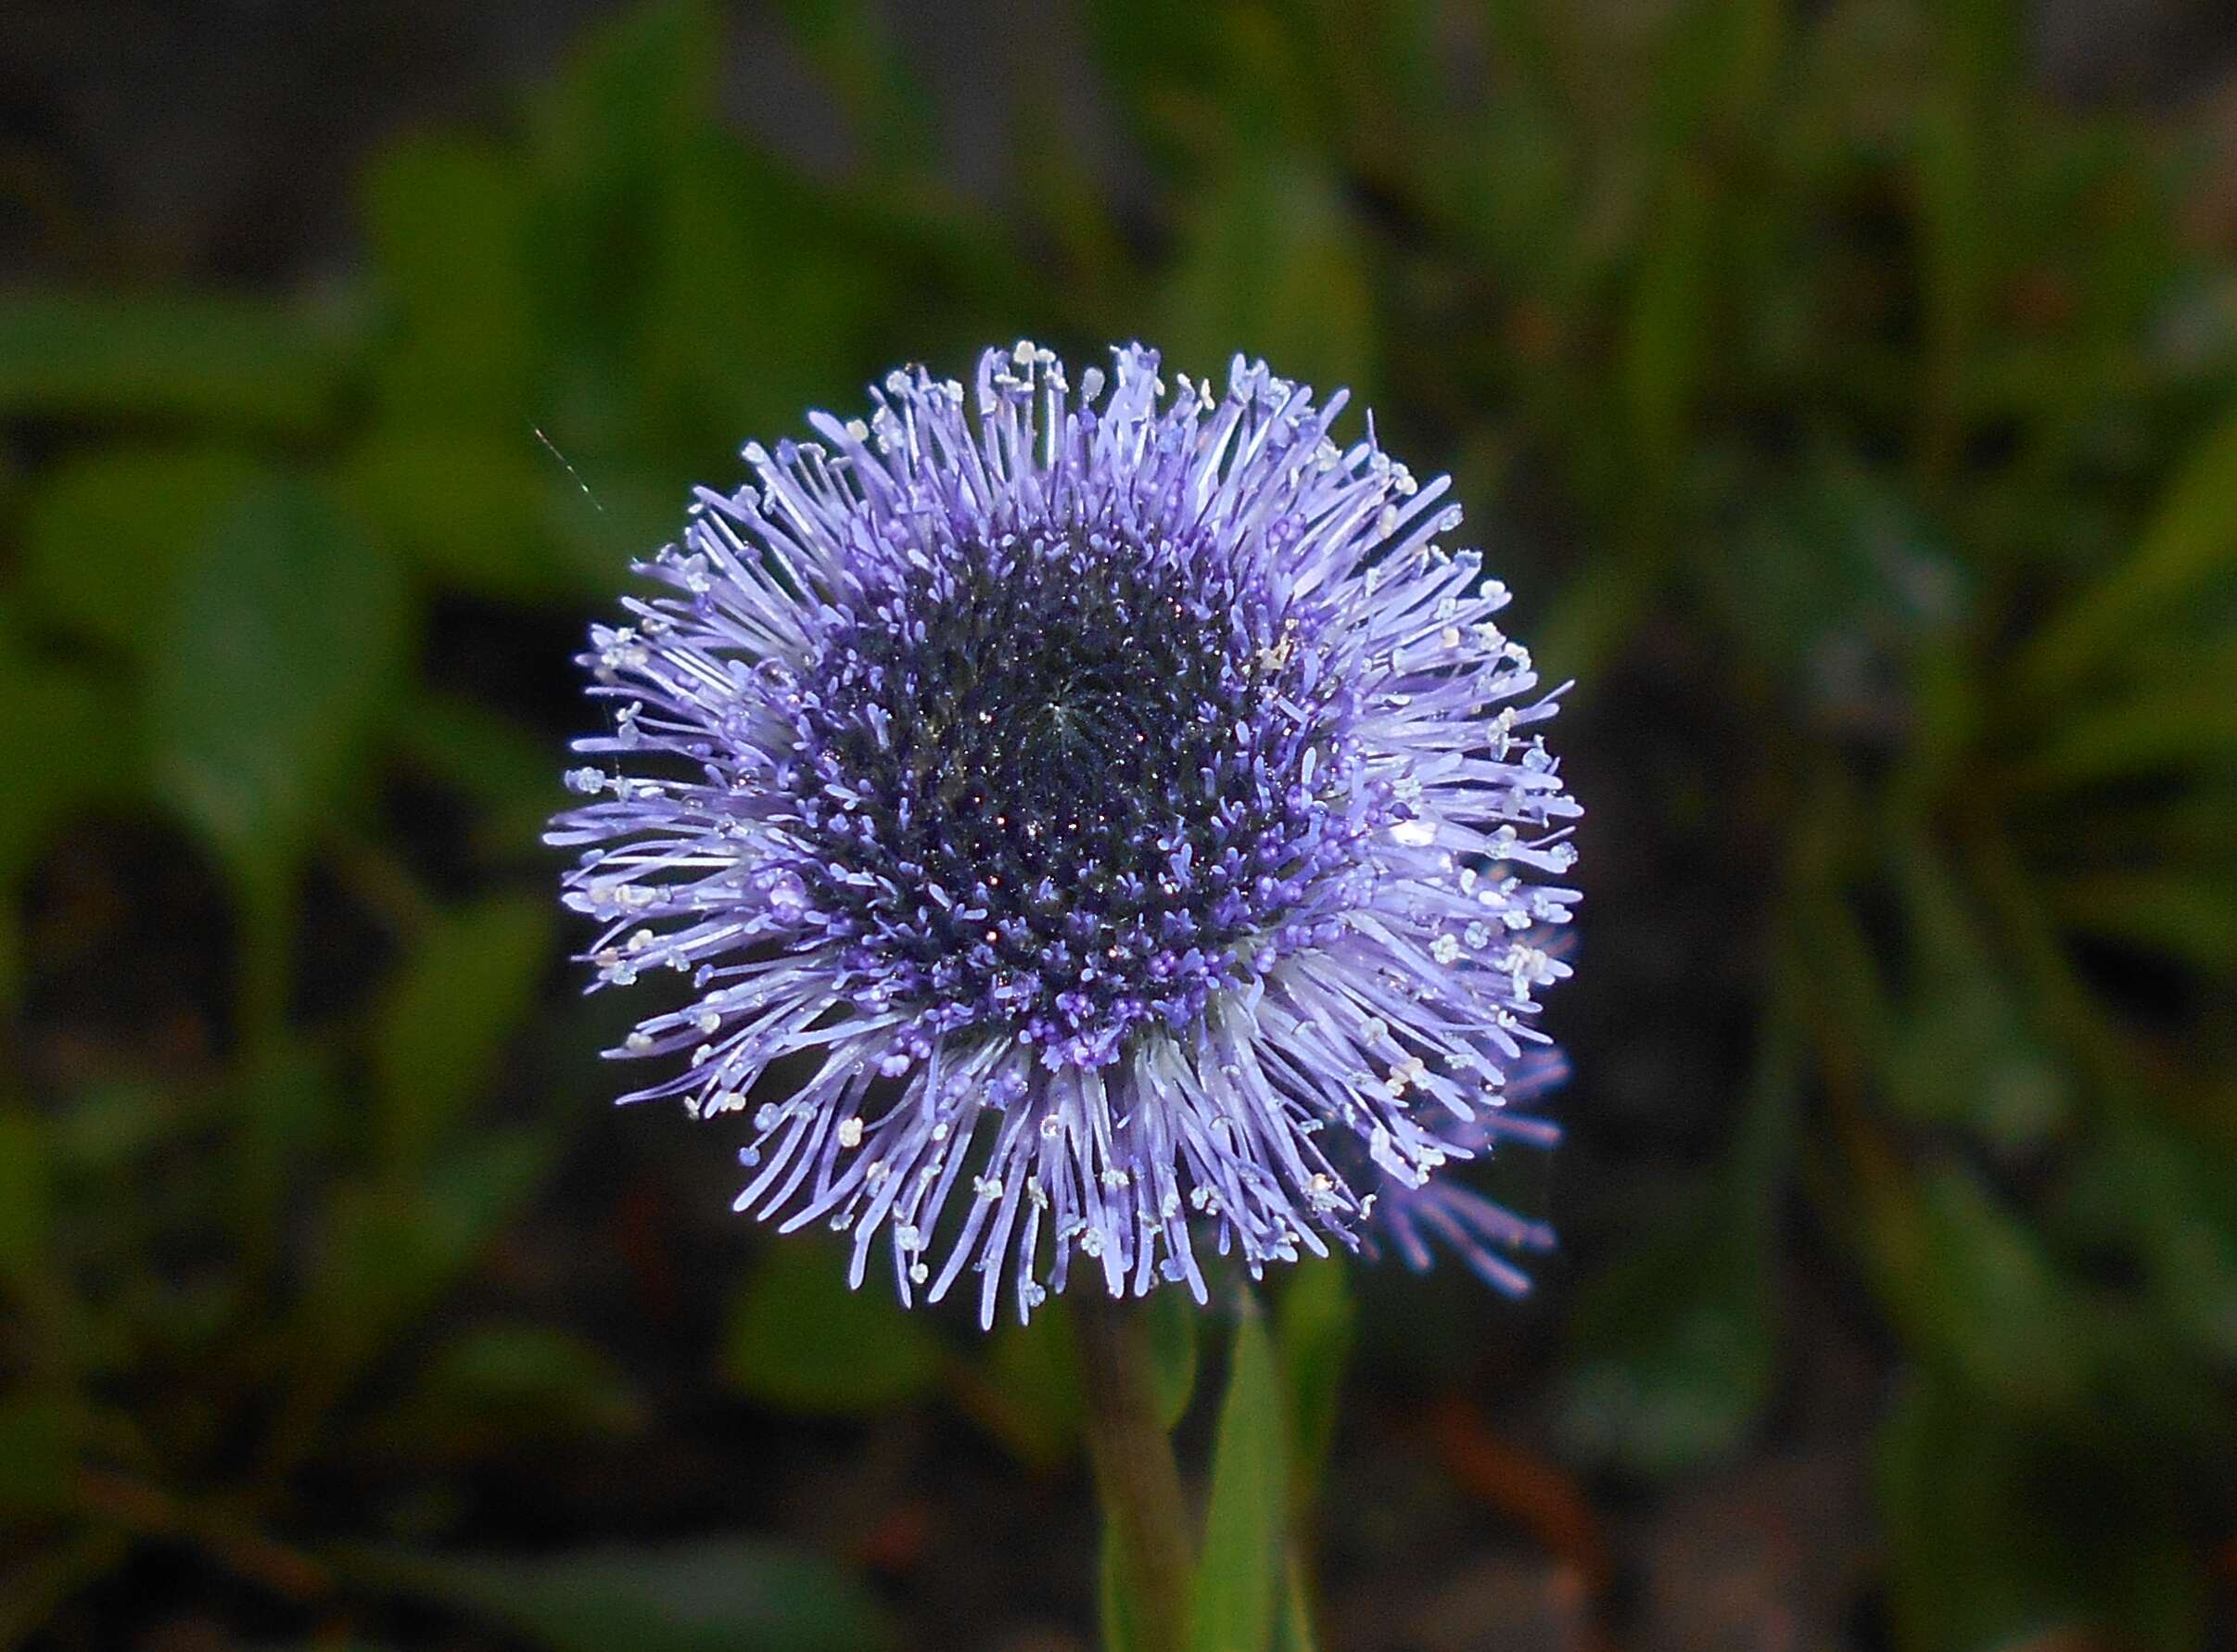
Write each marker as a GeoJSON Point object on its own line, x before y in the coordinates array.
{"type": "Point", "coordinates": [1112, 816]}
{"type": "Point", "coordinates": [1411, 1213]}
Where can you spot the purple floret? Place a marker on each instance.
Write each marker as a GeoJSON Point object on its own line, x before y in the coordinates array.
{"type": "Point", "coordinates": [1117, 802]}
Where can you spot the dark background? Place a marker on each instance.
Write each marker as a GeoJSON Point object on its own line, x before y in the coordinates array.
{"type": "Point", "coordinates": [1849, 393]}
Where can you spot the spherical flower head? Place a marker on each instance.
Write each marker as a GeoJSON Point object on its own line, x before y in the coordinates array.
{"type": "Point", "coordinates": [1108, 820]}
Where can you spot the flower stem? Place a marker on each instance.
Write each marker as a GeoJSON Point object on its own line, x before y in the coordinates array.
{"type": "Point", "coordinates": [1135, 1475]}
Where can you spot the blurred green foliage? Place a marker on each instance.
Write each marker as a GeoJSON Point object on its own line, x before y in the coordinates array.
{"type": "Point", "coordinates": [1805, 354]}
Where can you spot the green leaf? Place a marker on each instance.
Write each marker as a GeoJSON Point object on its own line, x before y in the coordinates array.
{"type": "Point", "coordinates": [286, 642]}
{"type": "Point", "coordinates": [1961, 1049]}
{"type": "Point", "coordinates": [64, 743]}
{"type": "Point", "coordinates": [852, 42]}
{"type": "Point", "coordinates": [395, 1249]}
{"type": "Point", "coordinates": [105, 531]}
{"type": "Point", "coordinates": [1178, 70]}
{"type": "Point", "coordinates": [714, 1594]}
{"type": "Point", "coordinates": [283, 1105]}
{"type": "Point", "coordinates": [390, 1250]}
{"type": "Point", "coordinates": [605, 513]}
{"type": "Point", "coordinates": [1115, 1609]}
{"type": "Point", "coordinates": [199, 359]}
{"type": "Point", "coordinates": [761, 295]}
{"type": "Point", "coordinates": [45, 1577]}
{"type": "Point", "coordinates": [36, 1454]}
{"type": "Point", "coordinates": [2188, 916]}
{"type": "Point", "coordinates": [1962, 220]}
{"type": "Point", "coordinates": [1838, 564]}
{"type": "Point", "coordinates": [446, 1017]}
{"type": "Point", "coordinates": [1239, 1581]}
{"type": "Point", "coordinates": [107, 1127]}
{"type": "Point", "coordinates": [1970, 1286]}
{"type": "Point", "coordinates": [63, 739]}
{"type": "Point", "coordinates": [510, 1384]}
{"type": "Point", "coordinates": [1674, 1351]}
{"type": "Point", "coordinates": [636, 87]}
{"type": "Point", "coordinates": [2190, 547]}
{"type": "Point", "coordinates": [498, 765]}
{"type": "Point", "coordinates": [2188, 725]}
{"type": "Point", "coordinates": [1172, 1316]}
{"type": "Point", "coordinates": [612, 132]}
{"type": "Point", "coordinates": [2173, 1198]}
{"type": "Point", "coordinates": [1024, 1385]}
{"type": "Point", "coordinates": [1274, 267]}
{"type": "Point", "coordinates": [1315, 1325]}
{"type": "Point", "coordinates": [448, 218]}
{"type": "Point", "coordinates": [1666, 328]}
{"type": "Point", "coordinates": [1999, 1537]}
{"type": "Point", "coordinates": [800, 1340]}
{"type": "Point", "coordinates": [26, 1199]}
{"type": "Point", "coordinates": [1675, 1348]}
{"type": "Point", "coordinates": [474, 509]}
{"type": "Point", "coordinates": [1294, 1632]}
{"type": "Point", "coordinates": [1715, 63]}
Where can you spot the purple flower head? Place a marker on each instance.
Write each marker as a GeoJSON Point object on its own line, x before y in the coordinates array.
{"type": "Point", "coordinates": [1115, 817]}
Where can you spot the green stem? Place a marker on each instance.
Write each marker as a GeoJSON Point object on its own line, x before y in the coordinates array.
{"type": "Point", "coordinates": [1135, 1475]}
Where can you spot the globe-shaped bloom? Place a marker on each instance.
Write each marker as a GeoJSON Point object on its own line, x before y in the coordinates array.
{"type": "Point", "coordinates": [1094, 824]}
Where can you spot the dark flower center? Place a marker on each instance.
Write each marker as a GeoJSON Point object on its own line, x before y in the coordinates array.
{"type": "Point", "coordinates": [1070, 782]}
